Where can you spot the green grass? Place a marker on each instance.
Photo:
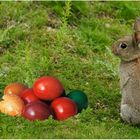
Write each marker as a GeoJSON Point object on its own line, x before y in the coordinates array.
{"type": "Point", "coordinates": [71, 41]}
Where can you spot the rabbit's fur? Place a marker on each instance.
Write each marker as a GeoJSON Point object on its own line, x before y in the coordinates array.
{"type": "Point", "coordinates": [128, 50]}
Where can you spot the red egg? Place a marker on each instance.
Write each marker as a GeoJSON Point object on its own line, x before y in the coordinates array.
{"type": "Point", "coordinates": [48, 88]}
{"type": "Point", "coordinates": [63, 108]}
{"type": "Point", "coordinates": [28, 96]}
{"type": "Point", "coordinates": [14, 88]}
{"type": "Point", "coordinates": [36, 111]}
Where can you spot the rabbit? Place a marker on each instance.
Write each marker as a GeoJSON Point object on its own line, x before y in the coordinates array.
{"type": "Point", "coordinates": [128, 50]}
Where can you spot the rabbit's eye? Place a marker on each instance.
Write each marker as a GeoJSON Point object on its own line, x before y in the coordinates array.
{"type": "Point", "coordinates": [123, 45]}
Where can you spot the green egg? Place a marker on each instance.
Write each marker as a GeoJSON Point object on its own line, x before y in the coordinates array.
{"type": "Point", "coordinates": [80, 98]}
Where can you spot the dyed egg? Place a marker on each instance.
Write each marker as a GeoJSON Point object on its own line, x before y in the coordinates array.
{"type": "Point", "coordinates": [12, 105]}
{"type": "Point", "coordinates": [14, 88]}
{"type": "Point", "coordinates": [48, 88]}
{"type": "Point", "coordinates": [36, 110]}
{"type": "Point", "coordinates": [80, 98]}
{"type": "Point", "coordinates": [63, 108]}
{"type": "Point", "coordinates": [28, 96]}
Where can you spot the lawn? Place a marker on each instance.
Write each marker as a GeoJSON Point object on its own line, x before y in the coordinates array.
{"type": "Point", "coordinates": [70, 41]}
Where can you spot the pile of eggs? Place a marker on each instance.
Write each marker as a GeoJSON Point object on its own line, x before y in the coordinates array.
{"type": "Point", "coordinates": [46, 97]}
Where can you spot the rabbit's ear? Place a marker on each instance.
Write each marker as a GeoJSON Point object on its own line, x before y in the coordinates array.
{"type": "Point", "coordinates": [136, 35]}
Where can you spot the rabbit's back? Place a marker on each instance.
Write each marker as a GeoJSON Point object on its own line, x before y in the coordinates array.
{"type": "Point", "coordinates": [130, 83]}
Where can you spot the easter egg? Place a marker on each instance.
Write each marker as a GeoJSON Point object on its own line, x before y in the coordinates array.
{"type": "Point", "coordinates": [36, 111]}
{"type": "Point", "coordinates": [14, 88]}
{"type": "Point", "coordinates": [12, 105]}
{"type": "Point", "coordinates": [48, 88]}
{"type": "Point", "coordinates": [63, 108]}
{"type": "Point", "coordinates": [28, 96]}
{"type": "Point", "coordinates": [80, 98]}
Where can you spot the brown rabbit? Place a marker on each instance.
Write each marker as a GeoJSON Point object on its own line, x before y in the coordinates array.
{"type": "Point", "coordinates": [128, 50]}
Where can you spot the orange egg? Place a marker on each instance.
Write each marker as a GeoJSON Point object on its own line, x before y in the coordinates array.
{"type": "Point", "coordinates": [14, 88]}
{"type": "Point", "coordinates": [12, 105]}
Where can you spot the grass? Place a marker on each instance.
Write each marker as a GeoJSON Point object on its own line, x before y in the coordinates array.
{"type": "Point", "coordinates": [71, 41]}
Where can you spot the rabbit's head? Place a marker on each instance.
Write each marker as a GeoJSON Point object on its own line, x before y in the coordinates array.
{"type": "Point", "coordinates": [128, 47]}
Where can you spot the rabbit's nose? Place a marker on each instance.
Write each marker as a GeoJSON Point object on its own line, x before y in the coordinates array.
{"type": "Point", "coordinates": [114, 51]}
